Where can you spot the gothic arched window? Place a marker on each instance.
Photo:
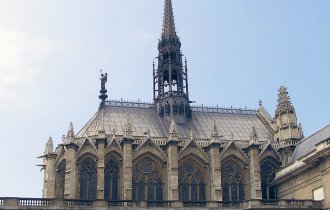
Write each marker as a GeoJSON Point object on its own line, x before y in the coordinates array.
{"type": "Point", "coordinates": [111, 179]}
{"type": "Point", "coordinates": [232, 182]}
{"type": "Point", "coordinates": [88, 179]}
{"type": "Point", "coordinates": [267, 170]}
{"type": "Point", "coordinates": [59, 180]}
{"type": "Point", "coordinates": [191, 183]}
{"type": "Point", "coordinates": [147, 181]}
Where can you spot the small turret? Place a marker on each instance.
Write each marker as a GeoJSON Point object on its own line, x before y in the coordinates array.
{"type": "Point", "coordinates": [287, 131]}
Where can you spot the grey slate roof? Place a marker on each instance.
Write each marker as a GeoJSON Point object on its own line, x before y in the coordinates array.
{"type": "Point", "coordinates": [230, 125]}
{"type": "Point", "coordinates": [308, 144]}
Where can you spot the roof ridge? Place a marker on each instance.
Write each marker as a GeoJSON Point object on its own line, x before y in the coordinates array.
{"type": "Point", "coordinates": [317, 132]}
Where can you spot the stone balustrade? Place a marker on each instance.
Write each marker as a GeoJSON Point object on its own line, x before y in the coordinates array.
{"type": "Point", "coordinates": [56, 204]}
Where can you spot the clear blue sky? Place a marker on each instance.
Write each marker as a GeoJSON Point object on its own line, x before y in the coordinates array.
{"type": "Point", "coordinates": [238, 52]}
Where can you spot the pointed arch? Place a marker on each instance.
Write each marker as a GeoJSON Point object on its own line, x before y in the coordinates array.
{"type": "Point", "coordinates": [86, 147]}
{"type": "Point", "coordinates": [87, 176]}
{"type": "Point", "coordinates": [192, 180]}
{"type": "Point", "coordinates": [149, 146]}
{"type": "Point", "coordinates": [60, 179]}
{"type": "Point", "coordinates": [269, 151]}
{"type": "Point", "coordinates": [148, 179]}
{"type": "Point", "coordinates": [233, 181]}
{"type": "Point", "coordinates": [114, 146]}
{"type": "Point", "coordinates": [193, 149]}
{"type": "Point", "coordinates": [232, 151]}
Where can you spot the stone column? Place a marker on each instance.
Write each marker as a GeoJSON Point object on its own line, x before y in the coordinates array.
{"type": "Point", "coordinates": [215, 172]}
{"type": "Point", "coordinates": [101, 144]}
{"type": "Point", "coordinates": [172, 170]}
{"type": "Point", "coordinates": [71, 173]}
{"type": "Point", "coordinates": [255, 178]}
{"type": "Point", "coordinates": [127, 169]}
{"type": "Point", "coordinates": [49, 180]}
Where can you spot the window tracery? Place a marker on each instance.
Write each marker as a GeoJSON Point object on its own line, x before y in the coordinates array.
{"type": "Point", "coordinates": [88, 179]}
{"type": "Point", "coordinates": [191, 183]}
{"type": "Point", "coordinates": [232, 182]}
{"type": "Point", "coordinates": [267, 170]}
{"type": "Point", "coordinates": [147, 181]}
{"type": "Point", "coordinates": [111, 179]}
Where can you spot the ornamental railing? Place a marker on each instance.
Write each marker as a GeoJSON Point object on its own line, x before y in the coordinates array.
{"type": "Point", "coordinates": [74, 202]}
{"type": "Point", "coordinates": [35, 202]}
{"type": "Point", "coordinates": [122, 203]}
{"type": "Point", "coordinates": [194, 204]}
{"type": "Point", "coordinates": [46, 204]}
{"type": "Point", "coordinates": [159, 203]}
{"type": "Point", "coordinates": [223, 110]}
{"type": "Point", "coordinates": [132, 104]}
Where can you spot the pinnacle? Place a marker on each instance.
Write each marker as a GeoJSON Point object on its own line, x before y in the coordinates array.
{"type": "Point", "coordinates": [173, 127]}
{"type": "Point", "coordinates": [168, 20]}
{"type": "Point", "coordinates": [70, 131]}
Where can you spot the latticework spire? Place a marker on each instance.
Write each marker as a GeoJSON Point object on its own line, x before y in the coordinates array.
{"type": "Point", "coordinates": [284, 103]}
{"type": "Point", "coordinates": [168, 20]}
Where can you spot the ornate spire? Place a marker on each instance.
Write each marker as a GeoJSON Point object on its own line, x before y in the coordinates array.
{"type": "Point", "coordinates": [284, 103]}
{"type": "Point", "coordinates": [254, 136]}
{"type": "Point", "coordinates": [168, 21]}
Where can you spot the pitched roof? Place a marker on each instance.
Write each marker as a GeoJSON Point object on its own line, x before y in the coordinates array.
{"type": "Point", "coordinates": [308, 144]}
{"type": "Point", "coordinates": [234, 125]}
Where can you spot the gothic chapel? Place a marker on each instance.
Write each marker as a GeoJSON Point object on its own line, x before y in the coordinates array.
{"type": "Point", "coordinates": [169, 150]}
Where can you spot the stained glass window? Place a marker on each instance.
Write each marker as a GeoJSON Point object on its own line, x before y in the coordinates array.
{"type": "Point", "coordinates": [111, 179]}
{"type": "Point", "coordinates": [88, 179]}
{"type": "Point", "coordinates": [232, 182]}
{"type": "Point", "coordinates": [267, 170]}
{"type": "Point", "coordinates": [191, 183]}
{"type": "Point", "coordinates": [147, 182]}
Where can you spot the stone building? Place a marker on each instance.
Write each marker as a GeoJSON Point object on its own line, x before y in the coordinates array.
{"type": "Point", "coordinates": [169, 150]}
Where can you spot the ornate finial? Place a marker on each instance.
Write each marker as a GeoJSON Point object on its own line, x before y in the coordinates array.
{"type": "Point", "coordinates": [168, 21]}
{"type": "Point", "coordinates": [284, 103]}
{"type": "Point", "coordinates": [231, 137]}
{"type": "Point", "coordinates": [103, 96]}
{"type": "Point", "coordinates": [113, 133]}
{"type": "Point", "coordinates": [260, 103]}
{"type": "Point", "coordinates": [173, 128]}
{"type": "Point", "coordinates": [254, 136]}
{"type": "Point", "coordinates": [49, 146]}
{"type": "Point", "coordinates": [70, 131]}
{"type": "Point", "coordinates": [215, 129]}
{"type": "Point", "coordinates": [191, 135]}
{"type": "Point", "coordinates": [128, 133]}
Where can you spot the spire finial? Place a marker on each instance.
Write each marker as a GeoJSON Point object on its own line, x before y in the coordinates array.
{"type": "Point", "coordinates": [49, 146]}
{"type": "Point", "coordinates": [284, 103]}
{"type": "Point", "coordinates": [70, 130]}
{"type": "Point", "coordinates": [103, 96]}
{"type": "Point", "coordinates": [168, 20]}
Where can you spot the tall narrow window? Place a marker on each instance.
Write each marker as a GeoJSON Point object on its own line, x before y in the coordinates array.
{"type": "Point", "coordinates": [232, 182]}
{"type": "Point", "coordinates": [88, 179]}
{"type": "Point", "coordinates": [147, 181]}
{"type": "Point", "coordinates": [111, 179]}
{"type": "Point", "coordinates": [267, 170]}
{"type": "Point", "coordinates": [191, 183]}
{"type": "Point", "coordinates": [59, 180]}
